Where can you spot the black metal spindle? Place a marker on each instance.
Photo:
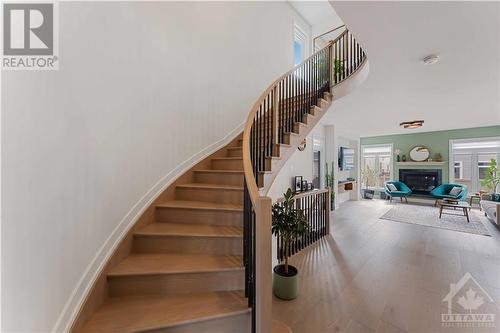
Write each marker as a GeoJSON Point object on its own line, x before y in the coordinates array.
{"type": "Point", "coordinates": [350, 53]}
{"type": "Point", "coordinates": [302, 92]}
{"type": "Point", "coordinates": [310, 84]}
{"type": "Point", "coordinates": [261, 135]}
{"type": "Point", "coordinates": [271, 123]}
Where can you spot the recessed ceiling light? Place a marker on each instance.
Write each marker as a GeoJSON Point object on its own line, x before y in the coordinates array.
{"type": "Point", "coordinates": [431, 59]}
{"type": "Point", "coordinates": [412, 124]}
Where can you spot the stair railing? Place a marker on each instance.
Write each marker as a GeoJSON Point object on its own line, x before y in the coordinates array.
{"type": "Point", "coordinates": [269, 125]}
{"type": "Point", "coordinates": [329, 32]}
{"type": "Point", "coordinates": [316, 208]}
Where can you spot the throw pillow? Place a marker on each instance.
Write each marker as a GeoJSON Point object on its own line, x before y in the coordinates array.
{"type": "Point", "coordinates": [455, 191]}
{"type": "Point", "coordinates": [392, 187]}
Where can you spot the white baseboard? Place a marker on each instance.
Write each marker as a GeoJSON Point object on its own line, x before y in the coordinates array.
{"type": "Point", "coordinates": [75, 301]}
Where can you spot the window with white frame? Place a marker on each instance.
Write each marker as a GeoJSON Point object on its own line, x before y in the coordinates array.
{"type": "Point", "coordinates": [482, 166]}
{"type": "Point", "coordinates": [299, 45]}
{"type": "Point", "coordinates": [376, 165]}
{"type": "Point", "coordinates": [458, 170]}
{"type": "Point", "coordinates": [470, 158]}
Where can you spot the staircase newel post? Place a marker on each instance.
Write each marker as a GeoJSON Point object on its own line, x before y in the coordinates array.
{"type": "Point", "coordinates": [276, 113]}
{"type": "Point", "coordinates": [263, 267]}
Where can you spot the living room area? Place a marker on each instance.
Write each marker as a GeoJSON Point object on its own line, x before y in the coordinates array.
{"type": "Point", "coordinates": [426, 121]}
{"type": "Point", "coordinates": [433, 174]}
{"type": "Point", "coordinates": [391, 258]}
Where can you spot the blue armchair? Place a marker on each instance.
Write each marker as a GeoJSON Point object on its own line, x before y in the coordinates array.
{"type": "Point", "coordinates": [403, 191]}
{"type": "Point", "coordinates": [443, 191]}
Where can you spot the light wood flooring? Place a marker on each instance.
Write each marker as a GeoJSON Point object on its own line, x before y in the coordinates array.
{"type": "Point", "coordinates": [373, 275]}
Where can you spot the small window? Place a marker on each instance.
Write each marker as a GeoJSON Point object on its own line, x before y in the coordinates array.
{"type": "Point", "coordinates": [483, 166]}
{"type": "Point", "coordinates": [297, 52]}
{"type": "Point", "coordinates": [459, 170]}
{"type": "Point", "coordinates": [299, 45]}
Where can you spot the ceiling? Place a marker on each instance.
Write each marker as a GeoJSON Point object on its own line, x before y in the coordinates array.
{"type": "Point", "coordinates": [461, 91]}
{"type": "Point", "coordinates": [320, 15]}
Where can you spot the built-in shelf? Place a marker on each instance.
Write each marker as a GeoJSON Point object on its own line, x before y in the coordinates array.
{"type": "Point", "coordinates": [346, 185]}
{"type": "Point", "coordinates": [422, 163]}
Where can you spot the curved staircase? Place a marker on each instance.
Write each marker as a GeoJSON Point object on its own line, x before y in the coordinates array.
{"type": "Point", "coordinates": [198, 259]}
{"type": "Point", "coordinates": [184, 271]}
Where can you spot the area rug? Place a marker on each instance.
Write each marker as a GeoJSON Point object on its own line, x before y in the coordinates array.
{"type": "Point", "coordinates": [429, 216]}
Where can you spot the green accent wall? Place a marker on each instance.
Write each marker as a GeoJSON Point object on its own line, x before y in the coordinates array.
{"type": "Point", "coordinates": [437, 142]}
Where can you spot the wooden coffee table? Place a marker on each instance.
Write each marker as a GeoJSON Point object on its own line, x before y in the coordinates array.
{"type": "Point", "coordinates": [463, 205]}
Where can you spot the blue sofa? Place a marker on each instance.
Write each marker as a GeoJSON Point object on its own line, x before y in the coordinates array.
{"type": "Point", "coordinates": [402, 192]}
{"type": "Point", "coordinates": [443, 191]}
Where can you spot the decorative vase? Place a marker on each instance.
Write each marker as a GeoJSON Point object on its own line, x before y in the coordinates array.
{"type": "Point", "coordinates": [404, 158]}
{"type": "Point", "coordinates": [285, 286]}
{"type": "Point", "coordinates": [397, 158]}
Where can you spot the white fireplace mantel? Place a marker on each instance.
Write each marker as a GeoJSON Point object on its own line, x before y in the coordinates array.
{"type": "Point", "coordinates": [433, 163]}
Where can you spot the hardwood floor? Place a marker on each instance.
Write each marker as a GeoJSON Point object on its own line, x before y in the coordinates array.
{"type": "Point", "coordinates": [374, 275]}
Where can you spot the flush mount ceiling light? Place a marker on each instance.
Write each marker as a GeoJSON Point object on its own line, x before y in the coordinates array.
{"type": "Point", "coordinates": [412, 124]}
{"type": "Point", "coordinates": [431, 59]}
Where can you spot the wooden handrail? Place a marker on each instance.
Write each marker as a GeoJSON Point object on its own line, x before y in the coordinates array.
{"type": "Point", "coordinates": [305, 194]}
{"type": "Point", "coordinates": [329, 31]}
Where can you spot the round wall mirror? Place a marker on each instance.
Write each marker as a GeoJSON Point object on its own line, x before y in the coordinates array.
{"type": "Point", "coordinates": [419, 154]}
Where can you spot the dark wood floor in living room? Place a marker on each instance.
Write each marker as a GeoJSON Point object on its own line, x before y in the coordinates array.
{"type": "Point", "coordinates": [373, 275]}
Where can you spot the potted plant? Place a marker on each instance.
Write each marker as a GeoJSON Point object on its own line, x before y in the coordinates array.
{"type": "Point", "coordinates": [338, 69]}
{"type": "Point", "coordinates": [288, 223]}
{"type": "Point", "coordinates": [492, 178]}
{"type": "Point", "coordinates": [330, 183]}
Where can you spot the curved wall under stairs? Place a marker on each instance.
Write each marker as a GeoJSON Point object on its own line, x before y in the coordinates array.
{"type": "Point", "coordinates": [180, 268]}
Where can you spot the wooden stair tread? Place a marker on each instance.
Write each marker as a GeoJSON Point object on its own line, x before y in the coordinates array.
{"type": "Point", "coordinates": [149, 312]}
{"type": "Point", "coordinates": [220, 171]}
{"type": "Point", "coordinates": [174, 263]}
{"type": "Point", "coordinates": [228, 158]}
{"type": "Point", "coordinates": [211, 186]}
{"type": "Point", "coordinates": [184, 204]}
{"type": "Point", "coordinates": [189, 230]}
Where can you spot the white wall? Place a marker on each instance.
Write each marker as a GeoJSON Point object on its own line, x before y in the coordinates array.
{"type": "Point", "coordinates": [335, 138]}
{"type": "Point", "coordinates": [343, 196]}
{"type": "Point", "coordinates": [143, 91]}
{"type": "Point", "coordinates": [299, 164]}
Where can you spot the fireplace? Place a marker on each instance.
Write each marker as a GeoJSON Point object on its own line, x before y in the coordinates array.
{"type": "Point", "coordinates": [421, 181]}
